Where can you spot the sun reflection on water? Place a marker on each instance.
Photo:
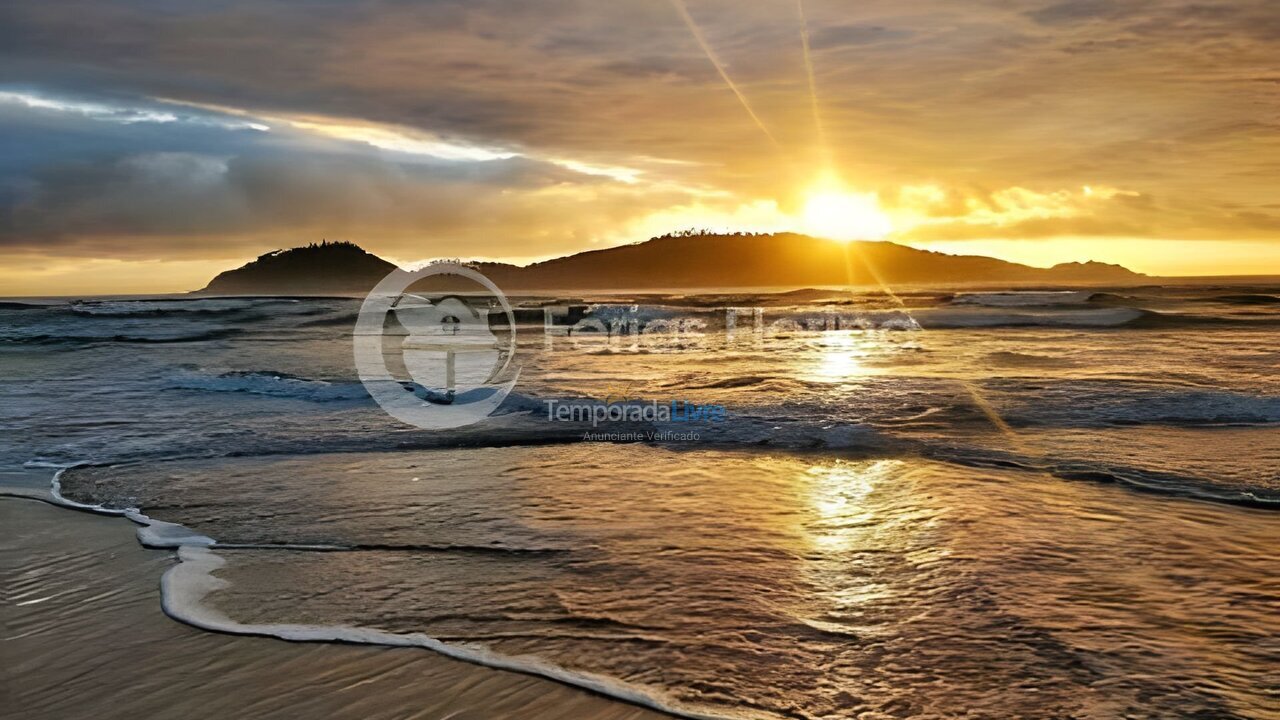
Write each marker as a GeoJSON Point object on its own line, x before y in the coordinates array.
{"type": "Point", "coordinates": [840, 355]}
{"type": "Point", "coordinates": [863, 522]}
{"type": "Point", "coordinates": [839, 493]}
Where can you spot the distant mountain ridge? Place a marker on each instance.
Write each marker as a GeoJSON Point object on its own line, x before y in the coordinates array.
{"type": "Point", "coordinates": [671, 262]}
{"type": "Point", "coordinates": [777, 260]}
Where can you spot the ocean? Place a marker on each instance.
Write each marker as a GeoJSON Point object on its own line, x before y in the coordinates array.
{"type": "Point", "coordinates": [926, 503]}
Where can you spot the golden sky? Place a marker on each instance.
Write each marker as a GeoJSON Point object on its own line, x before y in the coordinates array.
{"type": "Point", "coordinates": [147, 146]}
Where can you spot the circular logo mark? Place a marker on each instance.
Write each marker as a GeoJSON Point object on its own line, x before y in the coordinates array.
{"type": "Point", "coordinates": [454, 361]}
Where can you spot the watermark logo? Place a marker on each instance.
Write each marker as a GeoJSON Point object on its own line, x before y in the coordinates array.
{"type": "Point", "coordinates": [458, 370]}
{"type": "Point", "coordinates": [673, 411]}
{"type": "Point", "coordinates": [433, 360]}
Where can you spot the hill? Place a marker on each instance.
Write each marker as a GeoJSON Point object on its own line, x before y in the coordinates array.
{"type": "Point", "coordinates": [779, 260]}
{"type": "Point", "coordinates": [672, 261]}
{"type": "Point", "coordinates": [329, 268]}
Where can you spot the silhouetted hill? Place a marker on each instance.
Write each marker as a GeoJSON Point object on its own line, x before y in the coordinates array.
{"type": "Point", "coordinates": [324, 269]}
{"type": "Point", "coordinates": [780, 260]}
{"type": "Point", "coordinates": [672, 261]}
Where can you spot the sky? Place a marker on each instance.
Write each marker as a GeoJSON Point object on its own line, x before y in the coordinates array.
{"type": "Point", "coordinates": [146, 145]}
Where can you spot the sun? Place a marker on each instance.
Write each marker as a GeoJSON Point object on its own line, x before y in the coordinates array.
{"type": "Point", "coordinates": [844, 215]}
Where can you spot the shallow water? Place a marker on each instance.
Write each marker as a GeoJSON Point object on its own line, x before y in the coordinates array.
{"type": "Point", "coordinates": [85, 639]}
{"type": "Point", "coordinates": [804, 586]}
{"type": "Point", "coordinates": [1003, 504]}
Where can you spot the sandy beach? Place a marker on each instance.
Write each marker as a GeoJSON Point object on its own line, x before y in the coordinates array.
{"type": "Point", "coordinates": [85, 637]}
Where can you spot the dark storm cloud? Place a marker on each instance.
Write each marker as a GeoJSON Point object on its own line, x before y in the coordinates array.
{"type": "Point", "coordinates": [180, 200]}
{"type": "Point", "coordinates": [174, 194]}
{"type": "Point", "coordinates": [78, 174]}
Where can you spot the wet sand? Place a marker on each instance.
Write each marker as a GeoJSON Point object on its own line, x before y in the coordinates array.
{"type": "Point", "coordinates": [84, 637]}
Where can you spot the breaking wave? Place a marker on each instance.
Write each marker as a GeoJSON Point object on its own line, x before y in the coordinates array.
{"type": "Point", "coordinates": [955, 318]}
{"type": "Point", "coordinates": [1140, 479]}
{"type": "Point", "coordinates": [1249, 299]}
{"type": "Point", "coordinates": [267, 382]}
{"type": "Point", "coordinates": [54, 339]}
{"type": "Point", "coordinates": [1024, 299]}
{"type": "Point", "coordinates": [160, 308]}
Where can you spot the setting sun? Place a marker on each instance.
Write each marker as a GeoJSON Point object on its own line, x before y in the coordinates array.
{"type": "Point", "coordinates": [842, 215]}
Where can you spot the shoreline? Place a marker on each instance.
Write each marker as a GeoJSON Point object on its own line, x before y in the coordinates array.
{"type": "Point", "coordinates": [184, 586]}
{"type": "Point", "coordinates": [86, 637]}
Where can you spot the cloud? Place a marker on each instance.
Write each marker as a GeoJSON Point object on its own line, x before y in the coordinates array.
{"type": "Point", "coordinates": [844, 35]}
{"type": "Point", "coordinates": [1077, 11]}
{"type": "Point", "coordinates": [304, 178]}
{"type": "Point", "coordinates": [123, 114]}
{"type": "Point", "coordinates": [1101, 211]}
{"type": "Point", "coordinates": [177, 199]}
{"type": "Point", "coordinates": [501, 128]}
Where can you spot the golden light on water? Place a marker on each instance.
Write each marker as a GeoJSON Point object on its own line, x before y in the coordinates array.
{"type": "Point", "coordinates": [838, 494]}
{"type": "Point", "coordinates": [841, 355]}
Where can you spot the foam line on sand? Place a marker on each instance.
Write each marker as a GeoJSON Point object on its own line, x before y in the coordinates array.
{"type": "Point", "coordinates": [186, 585]}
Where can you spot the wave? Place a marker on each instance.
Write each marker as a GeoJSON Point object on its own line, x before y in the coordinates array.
{"type": "Point", "coordinates": [954, 317]}
{"type": "Point", "coordinates": [267, 382]}
{"type": "Point", "coordinates": [151, 533]}
{"type": "Point", "coordinates": [1100, 403]}
{"type": "Point", "coordinates": [1110, 317]}
{"type": "Point", "coordinates": [737, 381]}
{"type": "Point", "coordinates": [184, 587]}
{"type": "Point", "coordinates": [1029, 298]}
{"type": "Point", "coordinates": [607, 350]}
{"type": "Point", "coordinates": [787, 433]}
{"type": "Point", "coordinates": [749, 434]}
{"type": "Point", "coordinates": [343, 319]}
{"type": "Point", "coordinates": [393, 547]}
{"type": "Point", "coordinates": [1186, 296]}
{"type": "Point", "coordinates": [960, 316]}
{"type": "Point", "coordinates": [160, 308]}
{"type": "Point", "coordinates": [1248, 299]}
{"type": "Point", "coordinates": [1159, 483]}
{"type": "Point", "coordinates": [51, 339]}
{"type": "Point", "coordinates": [943, 318]}
{"type": "Point", "coordinates": [660, 320]}
{"type": "Point", "coordinates": [1152, 319]}
{"type": "Point", "coordinates": [1110, 298]}
{"type": "Point", "coordinates": [1006, 358]}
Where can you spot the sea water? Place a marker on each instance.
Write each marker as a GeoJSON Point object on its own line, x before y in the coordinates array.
{"type": "Point", "coordinates": [1004, 503]}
